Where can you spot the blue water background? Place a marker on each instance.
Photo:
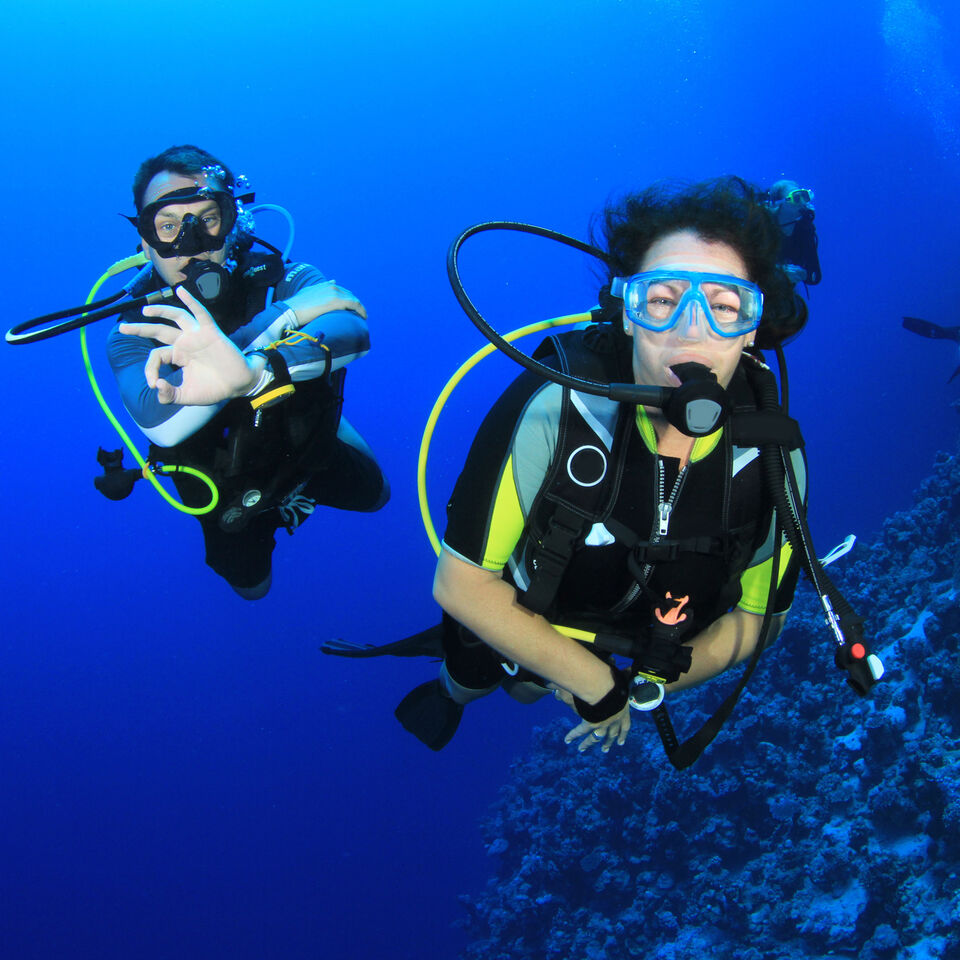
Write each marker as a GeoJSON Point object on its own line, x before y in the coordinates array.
{"type": "Point", "coordinates": [183, 774]}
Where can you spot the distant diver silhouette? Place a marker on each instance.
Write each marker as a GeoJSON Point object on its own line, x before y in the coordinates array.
{"type": "Point", "coordinates": [933, 331]}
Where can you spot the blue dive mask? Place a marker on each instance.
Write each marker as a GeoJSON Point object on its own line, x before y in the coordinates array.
{"type": "Point", "coordinates": [658, 299]}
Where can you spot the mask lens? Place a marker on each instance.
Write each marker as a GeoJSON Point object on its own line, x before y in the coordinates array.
{"type": "Point", "coordinates": [183, 225]}
{"type": "Point", "coordinates": [171, 220]}
{"type": "Point", "coordinates": [659, 300]}
{"type": "Point", "coordinates": [726, 308]}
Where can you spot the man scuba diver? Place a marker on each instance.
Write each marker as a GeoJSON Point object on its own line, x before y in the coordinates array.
{"type": "Point", "coordinates": [240, 373]}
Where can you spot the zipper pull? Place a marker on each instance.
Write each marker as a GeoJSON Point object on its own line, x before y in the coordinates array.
{"type": "Point", "coordinates": [665, 510]}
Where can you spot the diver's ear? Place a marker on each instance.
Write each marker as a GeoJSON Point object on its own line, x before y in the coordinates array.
{"type": "Point", "coordinates": [627, 325]}
{"type": "Point", "coordinates": [149, 252]}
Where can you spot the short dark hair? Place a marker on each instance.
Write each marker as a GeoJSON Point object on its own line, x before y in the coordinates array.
{"type": "Point", "coordinates": [185, 159]}
{"type": "Point", "coordinates": [727, 210]}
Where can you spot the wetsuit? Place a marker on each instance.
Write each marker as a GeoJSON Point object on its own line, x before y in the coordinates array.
{"type": "Point", "coordinates": [719, 530]}
{"type": "Point", "coordinates": [291, 455]}
{"type": "Point", "coordinates": [799, 244]}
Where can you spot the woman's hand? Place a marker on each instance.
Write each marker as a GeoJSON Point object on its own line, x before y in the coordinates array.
{"type": "Point", "coordinates": [213, 368]}
{"type": "Point", "coordinates": [610, 731]}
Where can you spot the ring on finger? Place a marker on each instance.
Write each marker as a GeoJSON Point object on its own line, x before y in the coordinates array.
{"type": "Point", "coordinates": [599, 734]}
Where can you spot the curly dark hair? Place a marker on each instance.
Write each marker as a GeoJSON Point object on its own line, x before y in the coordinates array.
{"type": "Point", "coordinates": [186, 159]}
{"type": "Point", "coordinates": [728, 210]}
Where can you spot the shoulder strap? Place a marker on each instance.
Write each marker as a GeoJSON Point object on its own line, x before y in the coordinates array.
{"type": "Point", "coordinates": [262, 269]}
{"type": "Point", "coordinates": [259, 274]}
{"type": "Point", "coordinates": [585, 474]}
{"type": "Point", "coordinates": [752, 423]}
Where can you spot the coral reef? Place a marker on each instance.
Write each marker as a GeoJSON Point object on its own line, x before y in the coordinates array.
{"type": "Point", "coordinates": [818, 824]}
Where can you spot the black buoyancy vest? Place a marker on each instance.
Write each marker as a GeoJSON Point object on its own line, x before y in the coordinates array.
{"type": "Point", "coordinates": [279, 448]}
{"type": "Point", "coordinates": [585, 477]}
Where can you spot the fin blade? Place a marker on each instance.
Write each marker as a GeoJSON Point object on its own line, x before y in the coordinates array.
{"type": "Point", "coordinates": [426, 643]}
{"type": "Point", "coordinates": [429, 714]}
{"type": "Point", "coordinates": [932, 331]}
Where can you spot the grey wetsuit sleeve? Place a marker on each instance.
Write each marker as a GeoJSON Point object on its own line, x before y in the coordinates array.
{"type": "Point", "coordinates": [329, 342]}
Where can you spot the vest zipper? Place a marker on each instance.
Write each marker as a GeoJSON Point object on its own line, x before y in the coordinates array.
{"type": "Point", "coordinates": [661, 527]}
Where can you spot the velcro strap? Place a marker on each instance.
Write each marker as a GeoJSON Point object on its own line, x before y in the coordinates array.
{"type": "Point", "coordinates": [278, 364]}
{"type": "Point", "coordinates": [551, 557]}
{"type": "Point", "coordinates": [665, 551]}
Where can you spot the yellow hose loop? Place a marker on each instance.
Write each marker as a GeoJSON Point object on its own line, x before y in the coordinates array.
{"type": "Point", "coordinates": [129, 263]}
{"type": "Point", "coordinates": [451, 384]}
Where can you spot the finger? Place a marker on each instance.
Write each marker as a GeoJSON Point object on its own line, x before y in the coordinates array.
{"type": "Point", "coordinates": [343, 299]}
{"type": "Point", "coordinates": [624, 729]}
{"type": "Point", "coordinates": [167, 392]}
{"type": "Point", "coordinates": [578, 731]}
{"type": "Point", "coordinates": [199, 311]}
{"type": "Point", "coordinates": [184, 319]}
{"type": "Point", "coordinates": [152, 331]}
{"type": "Point", "coordinates": [592, 739]}
{"type": "Point", "coordinates": [344, 294]}
{"type": "Point", "coordinates": [157, 357]}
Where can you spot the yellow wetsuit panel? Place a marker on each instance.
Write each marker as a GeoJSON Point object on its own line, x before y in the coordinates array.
{"type": "Point", "coordinates": [506, 522]}
{"type": "Point", "coordinates": [755, 583]}
{"type": "Point", "coordinates": [702, 446]}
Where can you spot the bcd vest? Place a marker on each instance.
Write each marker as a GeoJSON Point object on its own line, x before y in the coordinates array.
{"type": "Point", "coordinates": [585, 481]}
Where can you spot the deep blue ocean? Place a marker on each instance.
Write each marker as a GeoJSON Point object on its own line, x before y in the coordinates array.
{"type": "Point", "coordinates": [184, 774]}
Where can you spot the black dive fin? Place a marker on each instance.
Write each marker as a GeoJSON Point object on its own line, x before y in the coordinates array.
{"type": "Point", "coordinates": [426, 643]}
{"type": "Point", "coordinates": [429, 714]}
{"type": "Point", "coordinates": [932, 331]}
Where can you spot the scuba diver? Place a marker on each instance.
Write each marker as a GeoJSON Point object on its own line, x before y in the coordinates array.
{"type": "Point", "coordinates": [933, 331]}
{"type": "Point", "coordinates": [792, 205]}
{"type": "Point", "coordinates": [239, 370]}
{"type": "Point", "coordinates": [586, 524]}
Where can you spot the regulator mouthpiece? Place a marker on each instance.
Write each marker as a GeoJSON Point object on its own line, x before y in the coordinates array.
{"type": "Point", "coordinates": [206, 280]}
{"type": "Point", "coordinates": [699, 405]}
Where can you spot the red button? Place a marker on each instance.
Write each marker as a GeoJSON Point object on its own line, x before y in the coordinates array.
{"type": "Point", "coordinates": [858, 651]}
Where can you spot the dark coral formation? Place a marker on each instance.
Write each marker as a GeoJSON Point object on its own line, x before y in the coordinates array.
{"type": "Point", "coordinates": [817, 825]}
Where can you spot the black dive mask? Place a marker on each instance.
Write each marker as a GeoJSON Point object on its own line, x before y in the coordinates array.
{"type": "Point", "coordinates": [172, 234]}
